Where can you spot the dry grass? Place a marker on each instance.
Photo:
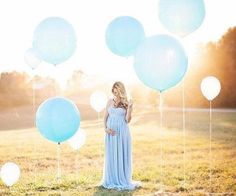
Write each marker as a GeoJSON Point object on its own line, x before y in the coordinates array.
{"type": "Point", "coordinates": [82, 171]}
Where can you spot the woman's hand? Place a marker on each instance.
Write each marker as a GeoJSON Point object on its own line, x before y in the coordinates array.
{"type": "Point", "coordinates": [130, 105]}
{"type": "Point", "coordinates": [110, 131]}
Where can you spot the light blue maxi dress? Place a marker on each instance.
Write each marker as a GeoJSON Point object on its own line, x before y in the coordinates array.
{"type": "Point", "coordinates": [117, 172]}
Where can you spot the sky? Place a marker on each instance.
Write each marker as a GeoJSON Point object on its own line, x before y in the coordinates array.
{"type": "Point", "coordinates": [90, 18]}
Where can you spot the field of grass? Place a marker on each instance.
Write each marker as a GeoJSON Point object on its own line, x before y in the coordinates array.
{"type": "Point", "coordinates": [81, 171]}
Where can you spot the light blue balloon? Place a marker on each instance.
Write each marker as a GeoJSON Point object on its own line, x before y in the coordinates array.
{"type": "Point", "coordinates": [55, 40]}
{"type": "Point", "coordinates": [123, 35]}
{"type": "Point", "coordinates": [160, 62]}
{"type": "Point", "coordinates": [181, 17]}
{"type": "Point", "coordinates": [58, 119]}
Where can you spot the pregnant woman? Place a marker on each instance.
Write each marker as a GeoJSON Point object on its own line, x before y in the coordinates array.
{"type": "Point", "coordinates": [117, 172]}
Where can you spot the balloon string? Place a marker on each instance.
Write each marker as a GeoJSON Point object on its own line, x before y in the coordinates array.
{"type": "Point", "coordinates": [58, 162]}
{"type": "Point", "coordinates": [33, 95]}
{"type": "Point", "coordinates": [101, 154]}
{"type": "Point", "coordinates": [55, 81]}
{"type": "Point", "coordinates": [76, 165]}
{"type": "Point", "coordinates": [55, 88]}
{"type": "Point", "coordinates": [161, 145]}
{"type": "Point", "coordinates": [34, 139]}
{"type": "Point", "coordinates": [58, 165]}
{"type": "Point", "coordinates": [210, 128]}
{"type": "Point", "coordinates": [184, 132]}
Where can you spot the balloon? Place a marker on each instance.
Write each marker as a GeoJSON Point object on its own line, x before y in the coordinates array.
{"type": "Point", "coordinates": [160, 62]}
{"type": "Point", "coordinates": [98, 100]}
{"type": "Point", "coordinates": [123, 35]}
{"type": "Point", "coordinates": [181, 17]}
{"type": "Point", "coordinates": [32, 58]}
{"type": "Point", "coordinates": [57, 119]}
{"type": "Point", "coordinates": [10, 173]}
{"type": "Point", "coordinates": [55, 40]}
{"type": "Point", "coordinates": [78, 139]}
{"type": "Point", "coordinates": [210, 87]}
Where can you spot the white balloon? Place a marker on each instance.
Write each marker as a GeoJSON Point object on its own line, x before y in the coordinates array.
{"type": "Point", "coordinates": [32, 58]}
{"type": "Point", "coordinates": [78, 139]}
{"type": "Point", "coordinates": [210, 87]}
{"type": "Point", "coordinates": [98, 100]}
{"type": "Point", "coordinates": [10, 173]}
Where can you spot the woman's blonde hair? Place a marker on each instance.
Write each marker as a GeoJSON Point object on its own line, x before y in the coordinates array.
{"type": "Point", "coordinates": [120, 87]}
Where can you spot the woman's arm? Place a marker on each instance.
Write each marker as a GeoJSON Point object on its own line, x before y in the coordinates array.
{"type": "Point", "coordinates": [106, 116]}
{"type": "Point", "coordinates": [108, 130]}
{"type": "Point", "coordinates": [128, 112]}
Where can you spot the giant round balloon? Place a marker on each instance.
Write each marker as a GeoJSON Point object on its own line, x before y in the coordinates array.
{"type": "Point", "coordinates": [57, 119]}
{"type": "Point", "coordinates": [123, 35]}
{"type": "Point", "coordinates": [55, 40]}
{"type": "Point", "coordinates": [210, 87]}
{"type": "Point", "coordinates": [78, 139]}
{"type": "Point", "coordinates": [10, 173]}
{"type": "Point", "coordinates": [98, 100]}
{"type": "Point", "coordinates": [160, 62]}
{"type": "Point", "coordinates": [181, 17]}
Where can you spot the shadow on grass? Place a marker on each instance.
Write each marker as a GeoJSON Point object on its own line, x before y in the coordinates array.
{"type": "Point", "coordinates": [100, 191]}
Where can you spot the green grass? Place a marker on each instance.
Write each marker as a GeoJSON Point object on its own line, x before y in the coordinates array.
{"type": "Point", "coordinates": [82, 170]}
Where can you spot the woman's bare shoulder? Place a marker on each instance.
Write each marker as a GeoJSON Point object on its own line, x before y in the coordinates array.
{"type": "Point", "coordinates": [109, 101]}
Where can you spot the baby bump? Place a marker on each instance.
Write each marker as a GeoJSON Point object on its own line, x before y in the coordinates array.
{"type": "Point", "coordinates": [116, 123]}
